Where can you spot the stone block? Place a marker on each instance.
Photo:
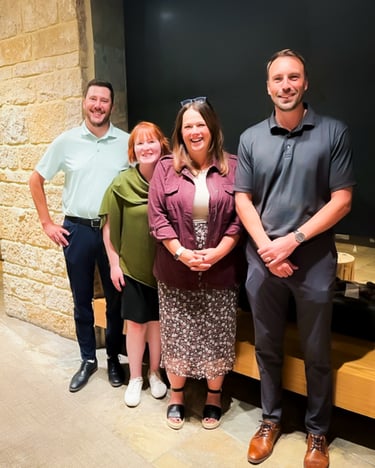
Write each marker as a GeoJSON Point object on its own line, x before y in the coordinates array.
{"type": "Point", "coordinates": [71, 60]}
{"type": "Point", "coordinates": [74, 115]}
{"type": "Point", "coordinates": [62, 84]}
{"type": "Point", "coordinates": [45, 121]}
{"type": "Point", "coordinates": [14, 229]}
{"type": "Point", "coordinates": [56, 40]}
{"type": "Point", "coordinates": [12, 125]}
{"type": "Point", "coordinates": [6, 73]}
{"type": "Point", "coordinates": [66, 10]}
{"type": "Point", "coordinates": [62, 324]}
{"type": "Point", "coordinates": [15, 195]}
{"type": "Point", "coordinates": [15, 50]}
{"type": "Point", "coordinates": [10, 18]}
{"type": "Point", "coordinates": [36, 14]}
{"type": "Point", "coordinates": [14, 306]}
{"type": "Point", "coordinates": [28, 156]}
{"type": "Point", "coordinates": [8, 158]}
{"type": "Point", "coordinates": [59, 300]}
{"type": "Point", "coordinates": [19, 91]}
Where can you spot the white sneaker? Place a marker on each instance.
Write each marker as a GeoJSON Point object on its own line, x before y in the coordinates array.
{"type": "Point", "coordinates": [132, 395]}
{"type": "Point", "coordinates": [158, 387]}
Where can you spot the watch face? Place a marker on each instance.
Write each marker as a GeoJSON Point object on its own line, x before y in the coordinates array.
{"type": "Point", "coordinates": [300, 237]}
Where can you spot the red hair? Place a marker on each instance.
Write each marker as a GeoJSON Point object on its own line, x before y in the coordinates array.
{"type": "Point", "coordinates": [147, 128]}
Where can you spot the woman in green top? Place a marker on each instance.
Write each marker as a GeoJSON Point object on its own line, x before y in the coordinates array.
{"type": "Point", "coordinates": [131, 250]}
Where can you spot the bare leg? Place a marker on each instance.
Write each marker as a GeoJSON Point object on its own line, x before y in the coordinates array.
{"type": "Point", "coordinates": [176, 381]}
{"type": "Point", "coordinates": [154, 345]}
{"type": "Point", "coordinates": [135, 346]}
{"type": "Point", "coordinates": [214, 384]}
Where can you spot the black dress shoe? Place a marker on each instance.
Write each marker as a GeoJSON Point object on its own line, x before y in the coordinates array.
{"type": "Point", "coordinates": [81, 377]}
{"type": "Point", "coordinates": [116, 374]}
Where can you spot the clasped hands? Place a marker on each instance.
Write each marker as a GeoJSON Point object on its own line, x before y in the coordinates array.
{"type": "Point", "coordinates": [275, 256]}
{"type": "Point", "coordinates": [199, 260]}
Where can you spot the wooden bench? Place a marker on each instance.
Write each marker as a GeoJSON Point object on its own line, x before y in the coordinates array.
{"type": "Point", "coordinates": [353, 363]}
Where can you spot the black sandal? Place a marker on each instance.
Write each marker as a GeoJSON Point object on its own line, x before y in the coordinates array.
{"type": "Point", "coordinates": [176, 411]}
{"type": "Point", "coordinates": [211, 414]}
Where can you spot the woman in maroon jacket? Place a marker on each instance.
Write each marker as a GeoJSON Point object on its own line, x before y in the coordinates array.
{"type": "Point", "coordinates": [197, 264]}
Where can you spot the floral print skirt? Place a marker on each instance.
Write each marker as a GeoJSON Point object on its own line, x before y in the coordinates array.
{"type": "Point", "coordinates": [198, 327]}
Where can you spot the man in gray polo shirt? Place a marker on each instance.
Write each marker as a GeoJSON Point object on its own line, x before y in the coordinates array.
{"type": "Point", "coordinates": [293, 184]}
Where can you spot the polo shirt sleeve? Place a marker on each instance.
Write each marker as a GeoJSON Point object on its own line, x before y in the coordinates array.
{"type": "Point", "coordinates": [341, 171]}
{"type": "Point", "coordinates": [244, 171]}
{"type": "Point", "coordinates": [51, 162]}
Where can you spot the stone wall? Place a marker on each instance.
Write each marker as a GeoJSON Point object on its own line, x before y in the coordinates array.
{"type": "Point", "coordinates": [46, 56]}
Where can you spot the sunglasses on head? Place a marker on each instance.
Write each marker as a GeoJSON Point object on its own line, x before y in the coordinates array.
{"type": "Point", "coordinates": [200, 99]}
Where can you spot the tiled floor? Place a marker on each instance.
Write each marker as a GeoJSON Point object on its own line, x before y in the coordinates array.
{"type": "Point", "coordinates": [43, 425]}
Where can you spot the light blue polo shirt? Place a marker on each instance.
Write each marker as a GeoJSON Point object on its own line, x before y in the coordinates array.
{"type": "Point", "coordinates": [89, 164]}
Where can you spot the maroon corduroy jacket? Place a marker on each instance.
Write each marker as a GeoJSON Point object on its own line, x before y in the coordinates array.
{"type": "Point", "coordinates": [170, 216]}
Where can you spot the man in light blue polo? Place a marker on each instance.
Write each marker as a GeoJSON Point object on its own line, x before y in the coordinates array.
{"type": "Point", "coordinates": [90, 156]}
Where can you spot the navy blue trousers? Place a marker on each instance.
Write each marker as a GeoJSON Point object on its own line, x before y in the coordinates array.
{"type": "Point", "coordinates": [85, 250]}
{"type": "Point", "coordinates": [311, 286]}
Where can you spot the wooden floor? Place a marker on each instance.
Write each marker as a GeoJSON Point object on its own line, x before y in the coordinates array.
{"type": "Point", "coordinates": [353, 363]}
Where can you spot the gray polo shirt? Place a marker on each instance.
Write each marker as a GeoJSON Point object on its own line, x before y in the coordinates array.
{"type": "Point", "coordinates": [291, 174]}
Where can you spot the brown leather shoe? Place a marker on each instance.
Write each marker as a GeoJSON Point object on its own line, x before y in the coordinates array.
{"type": "Point", "coordinates": [261, 445]}
{"type": "Point", "coordinates": [317, 452]}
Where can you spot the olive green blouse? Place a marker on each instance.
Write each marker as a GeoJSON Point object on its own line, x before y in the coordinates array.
{"type": "Point", "coordinates": [126, 203]}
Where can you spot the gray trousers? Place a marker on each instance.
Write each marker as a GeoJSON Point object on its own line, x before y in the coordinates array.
{"type": "Point", "coordinates": [311, 286]}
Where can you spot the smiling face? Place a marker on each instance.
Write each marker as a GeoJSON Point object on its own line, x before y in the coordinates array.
{"type": "Point", "coordinates": [147, 147]}
{"type": "Point", "coordinates": [195, 134]}
{"type": "Point", "coordinates": [286, 83]}
{"type": "Point", "coordinates": [97, 107]}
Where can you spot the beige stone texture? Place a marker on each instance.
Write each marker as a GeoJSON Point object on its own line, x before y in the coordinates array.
{"type": "Point", "coordinates": [17, 92]}
{"type": "Point", "coordinates": [10, 18]}
{"type": "Point", "coordinates": [5, 74]}
{"type": "Point", "coordinates": [67, 10]}
{"type": "Point", "coordinates": [45, 121]}
{"type": "Point", "coordinates": [46, 65]}
{"type": "Point", "coordinates": [15, 49]}
{"type": "Point", "coordinates": [45, 52]}
{"type": "Point", "coordinates": [38, 14]}
{"type": "Point", "coordinates": [62, 84]}
{"type": "Point", "coordinates": [8, 158]}
{"type": "Point", "coordinates": [12, 125]}
{"type": "Point", "coordinates": [57, 40]}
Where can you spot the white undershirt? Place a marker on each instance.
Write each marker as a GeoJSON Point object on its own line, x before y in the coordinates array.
{"type": "Point", "coordinates": [201, 198]}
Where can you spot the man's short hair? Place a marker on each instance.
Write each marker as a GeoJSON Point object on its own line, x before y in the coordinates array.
{"type": "Point", "coordinates": [102, 83]}
{"type": "Point", "coordinates": [287, 53]}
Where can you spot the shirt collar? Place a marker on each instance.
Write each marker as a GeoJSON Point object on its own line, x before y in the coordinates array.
{"type": "Point", "coordinates": [307, 122]}
{"type": "Point", "coordinates": [110, 133]}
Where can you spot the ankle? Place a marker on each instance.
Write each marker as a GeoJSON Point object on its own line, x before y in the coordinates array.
{"type": "Point", "coordinates": [177, 395]}
{"type": "Point", "coordinates": [213, 397]}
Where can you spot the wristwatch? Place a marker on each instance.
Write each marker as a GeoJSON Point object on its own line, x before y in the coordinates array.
{"type": "Point", "coordinates": [179, 251]}
{"type": "Point", "coordinates": [299, 236]}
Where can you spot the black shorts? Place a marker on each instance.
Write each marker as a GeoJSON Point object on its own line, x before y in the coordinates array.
{"type": "Point", "coordinates": [139, 302]}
